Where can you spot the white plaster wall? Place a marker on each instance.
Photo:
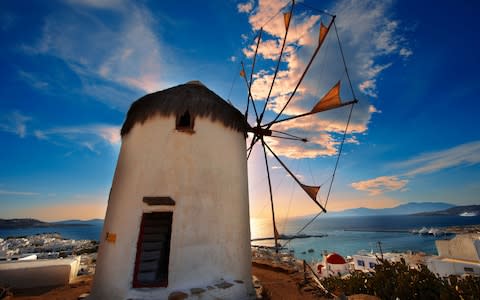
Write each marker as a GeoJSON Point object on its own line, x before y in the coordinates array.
{"type": "Point", "coordinates": [205, 173]}
{"type": "Point", "coordinates": [337, 268]}
{"type": "Point", "coordinates": [445, 267]}
{"type": "Point", "coordinates": [461, 247]}
{"type": "Point", "coordinates": [39, 273]}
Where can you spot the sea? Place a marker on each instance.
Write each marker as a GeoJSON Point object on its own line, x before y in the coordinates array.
{"type": "Point", "coordinates": [343, 235]}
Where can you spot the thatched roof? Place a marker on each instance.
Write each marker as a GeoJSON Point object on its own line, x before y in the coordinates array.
{"type": "Point", "coordinates": [192, 96]}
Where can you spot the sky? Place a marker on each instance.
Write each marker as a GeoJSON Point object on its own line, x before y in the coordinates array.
{"type": "Point", "coordinates": [71, 69]}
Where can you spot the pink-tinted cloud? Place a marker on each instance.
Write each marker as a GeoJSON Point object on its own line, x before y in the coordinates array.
{"type": "Point", "coordinates": [380, 185]}
{"type": "Point", "coordinates": [368, 37]}
{"type": "Point", "coordinates": [245, 7]}
{"type": "Point", "coordinates": [467, 154]}
{"type": "Point", "coordinates": [131, 55]}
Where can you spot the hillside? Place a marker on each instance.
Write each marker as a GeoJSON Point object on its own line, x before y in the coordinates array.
{"type": "Point", "coordinates": [31, 223]}
{"type": "Point", "coordinates": [467, 210]}
{"type": "Point", "coordinates": [22, 223]}
{"type": "Point", "coordinates": [403, 209]}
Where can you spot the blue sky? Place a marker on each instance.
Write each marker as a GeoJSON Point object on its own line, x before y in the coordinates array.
{"type": "Point", "coordinates": [70, 70]}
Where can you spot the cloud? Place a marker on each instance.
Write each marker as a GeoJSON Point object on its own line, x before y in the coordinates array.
{"type": "Point", "coordinates": [462, 155]}
{"type": "Point", "coordinates": [17, 193]}
{"type": "Point", "coordinates": [379, 185]}
{"type": "Point", "coordinates": [245, 7]}
{"type": "Point", "coordinates": [87, 136]}
{"type": "Point", "coordinates": [33, 80]}
{"type": "Point", "coordinates": [406, 52]}
{"type": "Point", "coordinates": [15, 123]}
{"type": "Point", "coordinates": [319, 145]}
{"type": "Point", "coordinates": [102, 4]}
{"type": "Point", "coordinates": [370, 40]}
{"type": "Point", "coordinates": [124, 55]}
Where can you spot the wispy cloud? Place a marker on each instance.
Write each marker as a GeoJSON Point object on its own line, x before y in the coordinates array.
{"type": "Point", "coordinates": [462, 155]}
{"type": "Point", "coordinates": [87, 136]}
{"type": "Point", "coordinates": [380, 185]}
{"type": "Point", "coordinates": [371, 42]}
{"type": "Point", "coordinates": [15, 122]}
{"type": "Point", "coordinates": [128, 54]}
{"type": "Point", "coordinates": [17, 193]}
{"type": "Point", "coordinates": [32, 79]}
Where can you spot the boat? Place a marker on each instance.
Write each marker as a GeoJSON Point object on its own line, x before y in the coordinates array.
{"type": "Point", "coordinates": [468, 214]}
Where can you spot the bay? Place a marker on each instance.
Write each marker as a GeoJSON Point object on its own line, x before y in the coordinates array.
{"type": "Point", "coordinates": [345, 235]}
{"type": "Point", "coordinates": [348, 235]}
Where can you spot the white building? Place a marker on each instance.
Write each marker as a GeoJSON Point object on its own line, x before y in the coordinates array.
{"type": "Point", "coordinates": [458, 256]}
{"type": "Point", "coordinates": [364, 261]}
{"type": "Point", "coordinates": [367, 261]}
{"type": "Point", "coordinates": [20, 274]}
{"type": "Point", "coordinates": [332, 264]}
{"type": "Point", "coordinates": [177, 221]}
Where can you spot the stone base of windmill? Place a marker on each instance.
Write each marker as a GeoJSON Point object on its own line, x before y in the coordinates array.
{"type": "Point", "coordinates": [221, 290]}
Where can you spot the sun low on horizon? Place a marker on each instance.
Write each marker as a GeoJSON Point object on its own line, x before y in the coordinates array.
{"type": "Point", "coordinates": [72, 68]}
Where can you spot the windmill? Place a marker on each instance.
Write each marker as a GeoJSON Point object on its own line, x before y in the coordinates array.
{"type": "Point", "coordinates": [263, 127]}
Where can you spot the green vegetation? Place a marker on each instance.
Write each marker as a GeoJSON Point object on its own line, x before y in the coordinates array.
{"type": "Point", "coordinates": [396, 280]}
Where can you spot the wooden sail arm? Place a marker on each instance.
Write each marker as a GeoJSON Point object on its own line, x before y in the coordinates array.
{"type": "Point", "coordinates": [287, 18]}
{"type": "Point", "coordinates": [311, 191]}
{"type": "Point", "coordinates": [250, 97]}
{"type": "Point", "coordinates": [322, 38]}
{"type": "Point", "coordinates": [311, 113]}
{"type": "Point", "coordinates": [251, 74]}
{"type": "Point", "coordinates": [287, 136]}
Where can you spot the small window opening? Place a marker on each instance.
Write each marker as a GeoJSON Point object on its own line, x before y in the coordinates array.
{"type": "Point", "coordinates": [361, 263]}
{"type": "Point", "coordinates": [185, 122]}
{"type": "Point", "coordinates": [468, 270]}
{"type": "Point", "coordinates": [153, 250]}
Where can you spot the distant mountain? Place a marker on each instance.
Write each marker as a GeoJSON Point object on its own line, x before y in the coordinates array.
{"type": "Point", "coordinates": [80, 222]}
{"type": "Point", "coordinates": [22, 223]}
{"type": "Point", "coordinates": [465, 211]}
{"type": "Point", "coordinates": [29, 223]}
{"type": "Point", "coordinates": [403, 209]}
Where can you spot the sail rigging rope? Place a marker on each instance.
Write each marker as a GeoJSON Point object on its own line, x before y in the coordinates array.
{"type": "Point", "coordinates": [288, 136]}
{"type": "Point", "coordinates": [341, 144]}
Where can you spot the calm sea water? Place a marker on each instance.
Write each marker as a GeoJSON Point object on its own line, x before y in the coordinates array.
{"type": "Point", "coordinates": [340, 239]}
{"type": "Point", "coordinates": [365, 235]}
{"type": "Point", "coordinates": [90, 232]}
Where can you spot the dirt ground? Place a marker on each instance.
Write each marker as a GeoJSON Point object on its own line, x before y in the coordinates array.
{"type": "Point", "coordinates": [280, 285]}
{"type": "Point", "coordinates": [71, 292]}
{"type": "Point", "coordinates": [277, 285]}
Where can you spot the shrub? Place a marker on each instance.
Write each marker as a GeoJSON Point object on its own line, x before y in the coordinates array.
{"type": "Point", "coordinates": [392, 280]}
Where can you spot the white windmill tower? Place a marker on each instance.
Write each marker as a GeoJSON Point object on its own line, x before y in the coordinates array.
{"type": "Point", "coordinates": [177, 221]}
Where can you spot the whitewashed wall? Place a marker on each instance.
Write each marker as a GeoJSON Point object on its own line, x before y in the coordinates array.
{"type": "Point", "coordinates": [39, 273]}
{"type": "Point", "coordinates": [463, 246]}
{"type": "Point", "coordinates": [205, 173]}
